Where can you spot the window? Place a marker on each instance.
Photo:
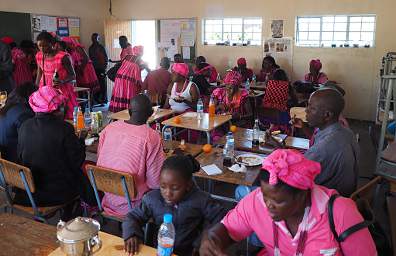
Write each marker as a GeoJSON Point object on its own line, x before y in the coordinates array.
{"type": "Point", "coordinates": [231, 31]}
{"type": "Point", "coordinates": [326, 31]}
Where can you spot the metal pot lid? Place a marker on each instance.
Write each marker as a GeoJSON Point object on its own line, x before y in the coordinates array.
{"type": "Point", "coordinates": [78, 229]}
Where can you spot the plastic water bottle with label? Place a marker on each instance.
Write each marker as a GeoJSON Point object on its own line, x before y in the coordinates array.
{"type": "Point", "coordinates": [167, 140]}
{"type": "Point", "coordinates": [87, 118]}
{"type": "Point", "coordinates": [166, 236]}
{"type": "Point", "coordinates": [256, 133]}
{"type": "Point", "coordinates": [229, 150]}
{"type": "Point", "coordinates": [200, 109]}
{"type": "Point", "coordinates": [247, 85]}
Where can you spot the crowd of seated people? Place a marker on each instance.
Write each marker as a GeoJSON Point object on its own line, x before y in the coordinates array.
{"type": "Point", "coordinates": [285, 215]}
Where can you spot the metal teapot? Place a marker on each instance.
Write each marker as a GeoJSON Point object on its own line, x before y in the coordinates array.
{"type": "Point", "coordinates": [79, 237]}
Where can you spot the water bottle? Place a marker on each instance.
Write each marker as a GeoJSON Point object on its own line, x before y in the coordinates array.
{"type": "Point", "coordinates": [256, 133]}
{"type": "Point", "coordinates": [87, 118]}
{"type": "Point", "coordinates": [229, 150]}
{"type": "Point", "coordinates": [94, 123]}
{"type": "Point", "coordinates": [158, 128]}
{"type": "Point", "coordinates": [166, 236]}
{"type": "Point", "coordinates": [218, 79]}
{"type": "Point", "coordinates": [200, 109]}
{"type": "Point", "coordinates": [247, 85]}
{"type": "Point", "coordinates": [75, 113]}
{"type": "Point", "coordinates": [167, 139]}
{"type": "Point", "coordinates": [254, 80]}
{"type": "Point", "coordinates": [55, 77]}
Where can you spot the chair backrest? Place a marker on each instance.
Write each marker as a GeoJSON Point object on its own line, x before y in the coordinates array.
{"type": "Point", "coordinates": [110, 181]}
{"type": "Point", "coordinates": [366, 191]}
{"type": "Point", "coordinates": [11, 172]}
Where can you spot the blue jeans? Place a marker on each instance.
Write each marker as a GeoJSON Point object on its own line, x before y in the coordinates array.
{"type": "Point", "coordinates": [241, 192]}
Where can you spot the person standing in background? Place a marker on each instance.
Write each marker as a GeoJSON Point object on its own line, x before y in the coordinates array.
{"type": "Point", "coordinates": [98, 55]}
{"type": "Point", "coordinates": [6, 81]}
{"type": "Point", "coordinates": [157, 81]}
{"type": "Point", "coordinates": [51, 61]}
{"type": "Point", "coordinates": [21, 70]}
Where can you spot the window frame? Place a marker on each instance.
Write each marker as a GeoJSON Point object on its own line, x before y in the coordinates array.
{"type": "Point", "coordinates": [320, 44]}
{"type": "Point", "coordinates": [240, 43]}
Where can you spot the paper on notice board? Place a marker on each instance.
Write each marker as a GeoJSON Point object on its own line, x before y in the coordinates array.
{"type": "Point", "coordinates": [51, 24]}
{"type": "Point", "coordinates": [187, 39]}
{"type": "Point", "coordinates": [171, 51]}
{"type": "Point", "coordinates": [116, 43]}
{"type": "Point", "coordinates": [186, 53]}
{"type": "Point", "coordinates": [74, 31]}
{"type": "Point", "coordinates": [73, 22]}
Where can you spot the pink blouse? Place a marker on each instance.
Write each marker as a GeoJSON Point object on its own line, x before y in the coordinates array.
{"type": "Point", "coordinates": [321, 79]}
{"type": "Point", "coordinates": [251, 215]}
{"type": "Point", "coordinates": [125, 52]}
{"type": "Point", "coordinates": [236, 105]}
{"type": "Point", "coordinates": [132, 149]}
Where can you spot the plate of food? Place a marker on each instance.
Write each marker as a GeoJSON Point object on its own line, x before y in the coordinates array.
{"type": "Point", "coordinates": [249, 159]}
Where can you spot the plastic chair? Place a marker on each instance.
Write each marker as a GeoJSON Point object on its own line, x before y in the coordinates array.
{"type": "Point", "coordinates": [111, 181]}
{"type": "Point", "coordinates": [15, 175]}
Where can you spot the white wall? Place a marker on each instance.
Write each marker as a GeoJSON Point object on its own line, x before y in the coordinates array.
{"type": "Point", "coordinates": [90, 12]}
{"type": "Point", "coordinates": [356, 69]}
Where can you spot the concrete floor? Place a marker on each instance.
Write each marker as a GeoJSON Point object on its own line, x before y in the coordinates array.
{"type": "Point", "coordinates": [367, 166]}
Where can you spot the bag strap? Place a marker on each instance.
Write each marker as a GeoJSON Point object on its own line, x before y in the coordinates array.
{"type": "Point", "coordinates": [341, 238]}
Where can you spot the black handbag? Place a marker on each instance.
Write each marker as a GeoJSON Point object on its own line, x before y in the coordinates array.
{"type": "Point", "coordinates": [112, 72]}
{"type": "Point", "coordinates": [377, 233]}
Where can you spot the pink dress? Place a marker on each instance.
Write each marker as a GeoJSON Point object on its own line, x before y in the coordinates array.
{"type": "Point", "coordinates": [128, 83]}
{"type": "Point", "coordinates": [51, 64]}
{"type": "Point", "coordinates": [22, 73]}
{"type": "Point", "coordinates": [85, 77]}
{"type": "Point", "coordinates": [321, 79]}
{"type": "Point", "coordinates": [132, 149]}
{"type": "Point", "coordinates": [238, 100]}
{"type": "Point", "coordinates": [125, 52]}
{"type": "Point", "coordinates": [251, 215]}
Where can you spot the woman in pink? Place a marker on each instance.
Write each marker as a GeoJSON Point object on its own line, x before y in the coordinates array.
{"type": "Point", "coordinates": [315, 76]}
{"type": "Point", "coordinates": [289, 214]}
{"type": "Point", "coordinates": [125, 46]}
{"type": "Point", "coordinates": [128, 82]}
{"type": "Point", "coordinates": [208, 71]}
{"type": "Point", "coordinates": [52, 63]}
{"type": "Point", "coordinates": [231, 99]}
{"type": "Point", "coordinates": [21, 73]}
{"type": "Point", "coordinates": [132, 147]}
{"type": "Point", "coordinates": [85, 72]}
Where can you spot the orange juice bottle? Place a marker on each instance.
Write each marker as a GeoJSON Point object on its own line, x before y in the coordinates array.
{"type": "Point", "coordinates": [80, 120]}
{"type": "Point", "coordinates": [212, 107]}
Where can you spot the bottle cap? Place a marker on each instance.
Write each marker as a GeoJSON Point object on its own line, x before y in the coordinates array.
{"type": "Point", "coordinates": [167, 218]}
{"type": "Point", "coordinates": [229, 133]}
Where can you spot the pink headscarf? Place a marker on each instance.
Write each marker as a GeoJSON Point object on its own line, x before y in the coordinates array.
{"type": "Point", "coordinates": [138, 50]}
{"type": "Point", "coordinates": [316, 64]}
{"type": "Point", "coordinates": [46, 99]}
{"type": "Point", "coordinates": [291, 167]}
{"type": "Point", "coordinates": [234, 78]}
{"type": "Point", "coordinates": [241, 61]}
{"type": "Point", "coordinates": [181, 69]}
{"type": "Point", "coordinates": [7, 39]}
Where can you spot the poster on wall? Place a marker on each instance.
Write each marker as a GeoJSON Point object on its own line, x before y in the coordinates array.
{"type": "Point", "coordinates": [62, 26]}
{"type": "Point", "coordinates": [277, 28]}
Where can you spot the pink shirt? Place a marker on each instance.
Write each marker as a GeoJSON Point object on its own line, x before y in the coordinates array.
{"type": "Point", "coordinates": [125, 52]}
{"type": "Point", "coordinates": [251, 215]}
{"type": "Point", "coordinates": [321, 79]}
{"type": "Point", "coordinates": [132, 149]}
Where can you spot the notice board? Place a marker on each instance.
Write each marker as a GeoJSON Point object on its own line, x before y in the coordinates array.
{"type": "Point", "coordinates": [62, 26]}
{"type": "Point", "coordinates": [177, 36]}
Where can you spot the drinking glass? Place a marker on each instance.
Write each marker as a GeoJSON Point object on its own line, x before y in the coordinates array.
{"type": "Point", "coordinates": [3, 98]}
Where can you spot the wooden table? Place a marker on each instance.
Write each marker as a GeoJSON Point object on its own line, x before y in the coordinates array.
{"type": "Point", "coordinates": [114, 246]}
{"type": "Point", "coordinates": [21, 236]}
{"type": "Point", "coordinates": [192, 149]}
{"type": "Point", "coordinates": [124, 115]}
{"type": "Point", "coordinates": [190, 121]}
{"type": "Point", "coordinates": [216, 157]}
{"type": "Point", "coordinates": [243, 141]}
{"type": "Point", "coordinates": [259, 86]}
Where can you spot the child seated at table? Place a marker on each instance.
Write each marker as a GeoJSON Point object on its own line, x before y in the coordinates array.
{"type": "Point", "coordinates": [192, 209]}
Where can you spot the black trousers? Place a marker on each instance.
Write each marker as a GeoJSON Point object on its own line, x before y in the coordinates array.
{"type": "Point", "coordinates": [101, 96]}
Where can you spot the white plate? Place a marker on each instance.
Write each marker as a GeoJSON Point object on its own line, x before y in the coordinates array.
{"type": "Point", "coordinates": [252, 160]}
